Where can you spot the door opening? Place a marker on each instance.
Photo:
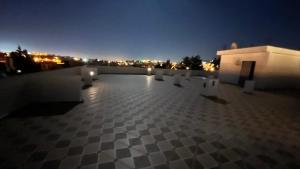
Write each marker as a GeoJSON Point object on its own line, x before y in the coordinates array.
{"type": "Point", "coordinates": [247, 72]}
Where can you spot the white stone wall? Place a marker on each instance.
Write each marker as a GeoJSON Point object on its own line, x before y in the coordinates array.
{"type": "Point", "coordinates": [51, 86]}
{"type": "Point", "coordinates": [230, 66]}
{"type": "Point", "coordinates": [275, 67]}
{"type": "Point", "coordinates": [282, 71]}
{"type": "Point", "coordinates": [143, 71]}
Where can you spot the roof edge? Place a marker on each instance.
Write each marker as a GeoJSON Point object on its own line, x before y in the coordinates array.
{"type": "Point", "coordinates": [259, 49]}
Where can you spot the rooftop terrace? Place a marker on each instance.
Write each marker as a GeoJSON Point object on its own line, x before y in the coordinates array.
{"type": "Point", "coordinates": [134, 121]}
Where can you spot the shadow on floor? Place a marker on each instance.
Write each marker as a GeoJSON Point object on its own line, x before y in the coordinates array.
{"type": "Point", "coordinates": [44, 109]}
{"type": "Point", "coordinates": [215, 99]}
{"type": "Point", "coordinates": [178, 85]}
{"type": "Point", "coordinates": [86, 87]}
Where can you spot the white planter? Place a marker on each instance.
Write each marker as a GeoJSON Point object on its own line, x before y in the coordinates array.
{"type": "Point", "coordinates": [249, 86]}
{"type": "Point", "coordinates": [177, 79]}
{"type": "Point", "coordinates": [159, 75]}
{"type": "Point", "coordinates": [188, 75]}
{"type": "Point", "coordinates": [210, 87]}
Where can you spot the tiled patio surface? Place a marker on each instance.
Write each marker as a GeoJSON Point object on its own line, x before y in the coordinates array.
{"type": "Point", "coordinates": [134, 121]}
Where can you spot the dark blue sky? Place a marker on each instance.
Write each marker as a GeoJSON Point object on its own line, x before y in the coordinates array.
{"type": "Point", "coordinates": [161, 29]}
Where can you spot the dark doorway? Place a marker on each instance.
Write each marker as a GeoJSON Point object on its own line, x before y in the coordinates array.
{"type": "Point", "coordinates": [247, 72]}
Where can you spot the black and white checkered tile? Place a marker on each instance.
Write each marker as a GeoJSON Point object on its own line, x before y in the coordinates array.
{"type": "Point", "coordinates": [133, 122]}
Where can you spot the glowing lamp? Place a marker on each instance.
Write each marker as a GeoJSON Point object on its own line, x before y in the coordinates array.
{"type": "Point", "coordinates": [76, 58]}
{"type": "Point", "coordinates": [92, 73]}
{"type": "Point", "coordinates": [85, 60]}
{"type": "Point", "coordinates": [187, 68]}
{"type": "Point", "coordinates": [149, 69]}
{"type": "Point", "coordinates": [19, 71]}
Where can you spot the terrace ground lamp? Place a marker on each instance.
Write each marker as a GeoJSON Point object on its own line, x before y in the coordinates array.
{"type": "Point", "coordinates": [187, 74]}
{"type": "Point", "coordinates": [149, 71]}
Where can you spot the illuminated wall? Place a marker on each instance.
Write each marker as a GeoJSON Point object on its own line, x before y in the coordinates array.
{"type": "Point", "coordinates": [275, 67]}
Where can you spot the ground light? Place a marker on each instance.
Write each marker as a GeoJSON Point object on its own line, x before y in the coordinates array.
{"type": "Point", "coordinates": [149, 69]}
{"type": "Point", "coordinates": [85, 60]}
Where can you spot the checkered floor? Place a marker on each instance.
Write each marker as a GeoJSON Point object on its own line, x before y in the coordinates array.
{"type": "Point", "coordinates": [134, 121]}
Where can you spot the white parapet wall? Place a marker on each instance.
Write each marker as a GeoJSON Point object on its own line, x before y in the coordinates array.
{"type": "Point", "coordinates": [62, 85]}
{"type": "Point", "coordinates": [11, 96]}
{"type": "Point", "coordinates": [53, 88]}
{"type": "Point", "coordinates": [121, 70]}
{"type": "Point", "coordinates": [143, 71]}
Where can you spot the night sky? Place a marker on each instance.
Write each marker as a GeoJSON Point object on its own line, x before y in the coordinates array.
{"type": "Point", "coordinates": [141, 29]}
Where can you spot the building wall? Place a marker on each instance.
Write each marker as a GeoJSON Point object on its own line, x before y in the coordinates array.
{"type": "Point", "coordinates": [282, 71]}
{"type": "Point", "coordinates": [230, 66]}
{"type": "Point", "coordinates": [275, 68]}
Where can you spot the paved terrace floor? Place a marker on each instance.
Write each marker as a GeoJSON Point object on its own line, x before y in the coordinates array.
{"type": "Point", "coordinates": [134, 121]}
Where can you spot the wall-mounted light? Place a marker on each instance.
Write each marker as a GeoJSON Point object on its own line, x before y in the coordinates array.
{"type": "Point", "coordinates": [237, 61]}
{"type": "Point", "coordinates": [92, 73]}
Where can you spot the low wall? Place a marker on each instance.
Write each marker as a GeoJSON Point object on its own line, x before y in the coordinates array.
{"type": "Point", "coordinates": [50, 86]}
{"type": "Point", "coordinates": [143, 71]}
{"type": "Point", "coordinates": [120, 70]}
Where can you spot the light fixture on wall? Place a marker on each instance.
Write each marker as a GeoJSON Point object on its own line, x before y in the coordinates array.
{"type": "Point", "coordinates": [237, 61]}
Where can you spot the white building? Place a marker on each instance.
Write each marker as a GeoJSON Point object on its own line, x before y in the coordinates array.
{"type": "Point", "coordinates": [271, 67]}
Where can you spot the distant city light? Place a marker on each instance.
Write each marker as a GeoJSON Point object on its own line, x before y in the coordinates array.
{"type": "Point", "coordinates": [46, 58]}
{"type": "Point", "coordinates": [208, 66]}
{"type": "Point", "coordinates": [76, 58]}
{"type": "Point", "coordinates": [174, 66]}
{"type": "Point", "coordinates": [85, 60]}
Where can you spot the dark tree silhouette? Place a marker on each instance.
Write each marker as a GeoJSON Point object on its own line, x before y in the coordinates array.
{"type": "Point", "coordinates": [196, 63]}
{"type": "Point", "coordinates": [23, 61]}
{"type": "Point", "coordinates": [166, 65]}
{"type": "Point", "coordinates": [193, 62]}
{"type": "Point", "coordinates": [216, 61]}
{"type": "Point", "coordinates": [186, 61]}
